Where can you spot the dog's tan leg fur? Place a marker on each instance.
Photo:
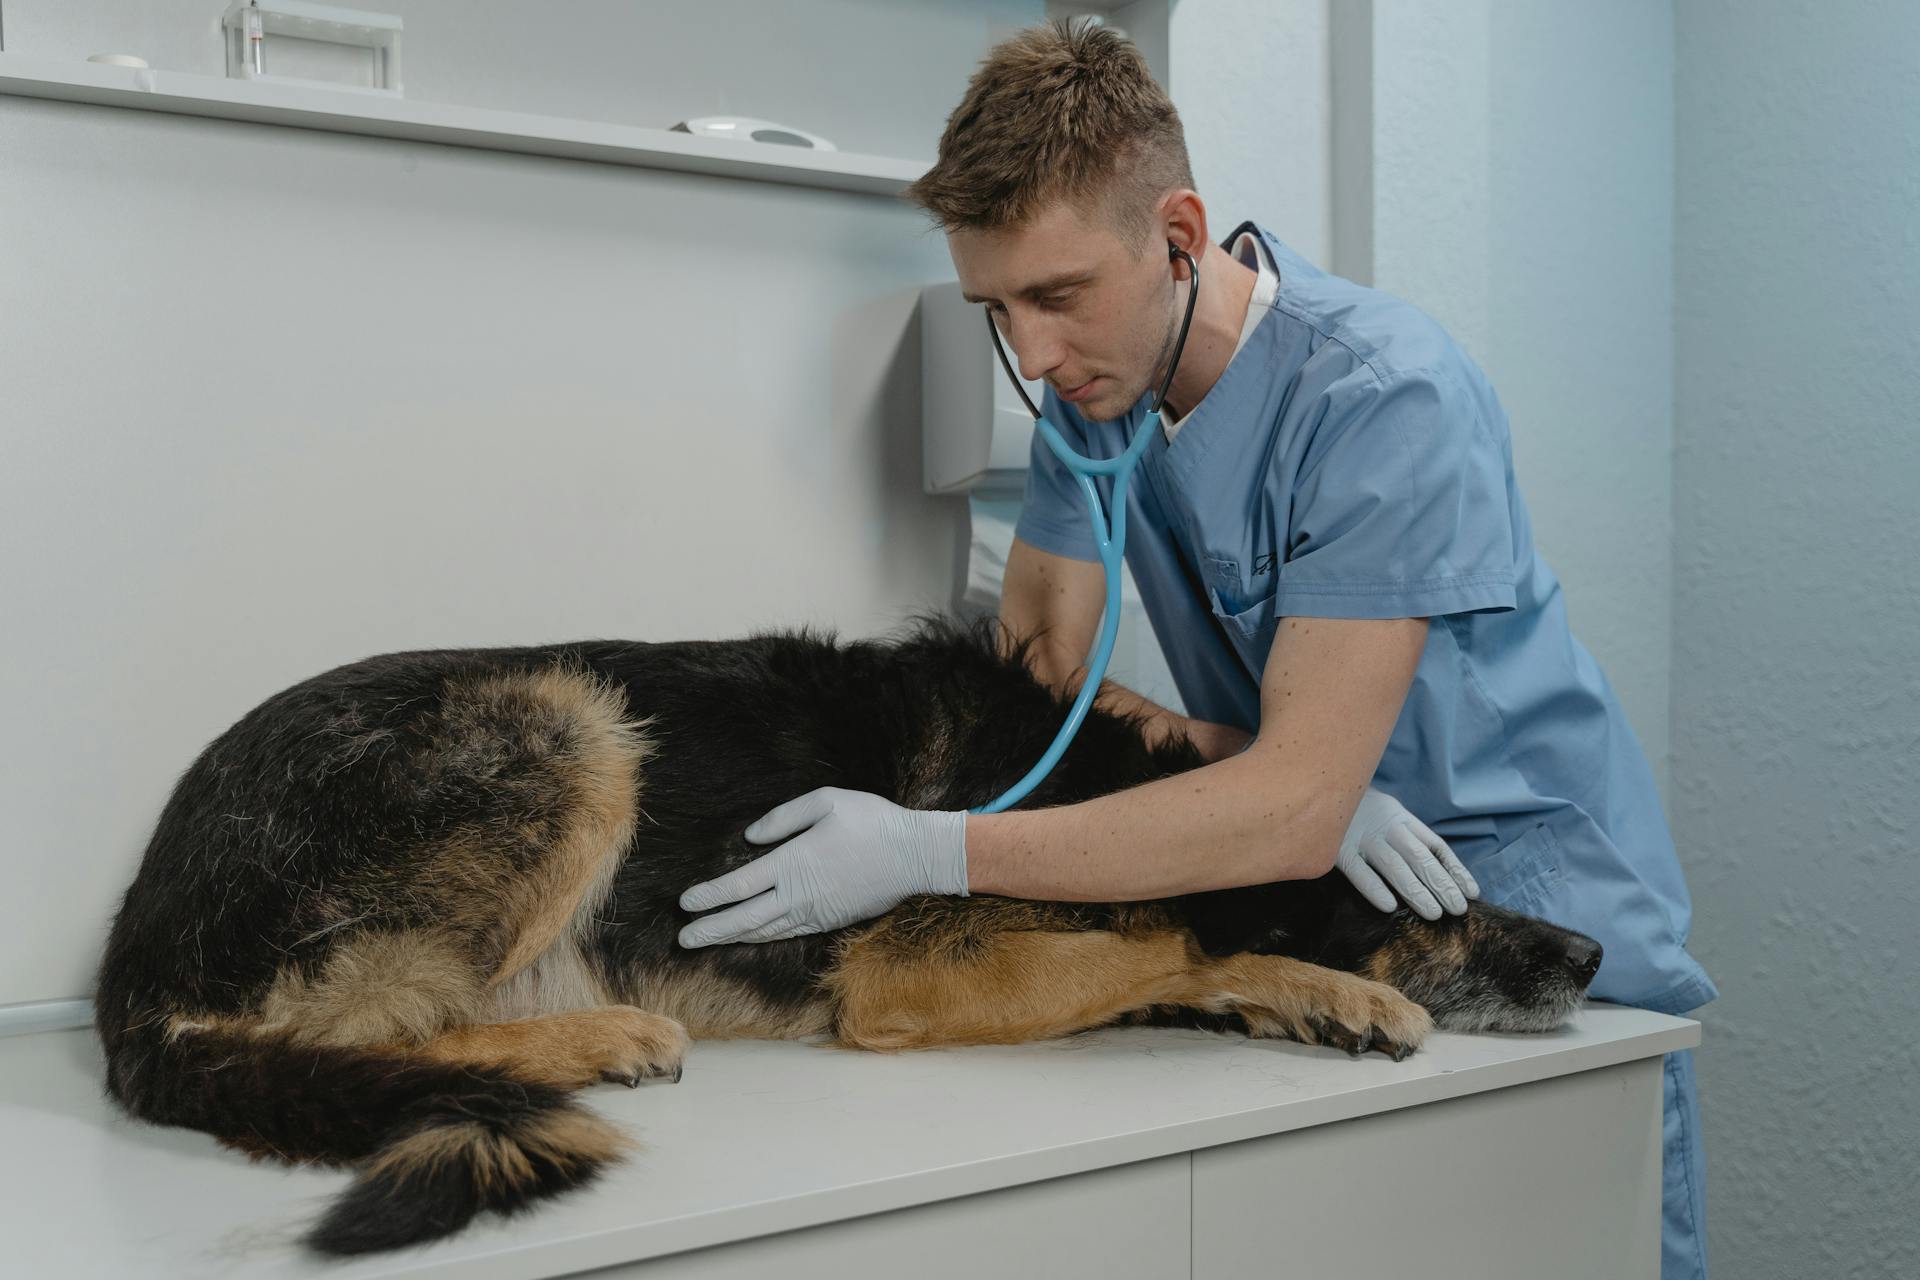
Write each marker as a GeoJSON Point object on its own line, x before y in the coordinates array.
{"type": "Point", "coordinates": [1031, 985]}
{"type": "Point", "coordinates": [549, 908]}
{"type": "Point", "coordinates": [598, 754]}
{"type": "Point", "coordinates": [570, 1050]}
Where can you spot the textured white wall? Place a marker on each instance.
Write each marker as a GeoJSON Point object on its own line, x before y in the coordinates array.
{"type": "Point", "coordinates": [1796, 660]}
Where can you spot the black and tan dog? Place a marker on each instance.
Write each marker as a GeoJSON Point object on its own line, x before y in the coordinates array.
{"type": "Point", "coordinates": [399, 911]}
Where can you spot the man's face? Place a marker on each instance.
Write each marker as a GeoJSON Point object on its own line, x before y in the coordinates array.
{"type": "Point", "coordinates": [1076, 307]}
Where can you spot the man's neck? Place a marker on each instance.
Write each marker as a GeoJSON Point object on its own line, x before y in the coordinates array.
{"type": "Point", "coordinates": [1226, 289]}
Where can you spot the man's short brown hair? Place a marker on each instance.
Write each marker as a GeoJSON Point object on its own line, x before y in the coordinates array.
{"type": "Point", "coordinates": [1067, 111]}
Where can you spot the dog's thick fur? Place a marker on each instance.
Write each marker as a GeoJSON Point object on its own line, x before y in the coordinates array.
{"type": "Point", "coordinates": [396, 914]}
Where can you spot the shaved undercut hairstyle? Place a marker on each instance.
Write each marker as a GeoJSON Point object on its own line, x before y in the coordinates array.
{"type": "Point", "coordinates": [1068, 111]}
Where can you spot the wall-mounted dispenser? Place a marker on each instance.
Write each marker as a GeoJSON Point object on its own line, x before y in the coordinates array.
{"type": "Point", "coordinates": [975, 432]}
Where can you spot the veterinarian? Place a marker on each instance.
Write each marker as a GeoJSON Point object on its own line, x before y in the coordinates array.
{"type": "Point", "coordinates": [1329, 541]}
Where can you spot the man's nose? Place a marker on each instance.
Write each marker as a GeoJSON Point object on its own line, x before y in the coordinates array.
{"type": "Point", "coordinates": [1037, 350]}
{"type": "Point", "coordinates": [1034, 371]}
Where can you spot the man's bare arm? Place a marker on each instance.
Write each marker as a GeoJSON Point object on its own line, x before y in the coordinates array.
{"type": "Point", "coordinates": [1053, 601]}
{"type": "Point", "coordinates": [1330, 695]}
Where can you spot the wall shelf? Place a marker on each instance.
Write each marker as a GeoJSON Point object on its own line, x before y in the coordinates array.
{"type": "Point", "coordinates": [181, 93]}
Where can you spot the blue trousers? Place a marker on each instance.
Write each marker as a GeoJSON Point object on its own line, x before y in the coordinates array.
{"type": "Point", "coordinates": [1683, 1218]}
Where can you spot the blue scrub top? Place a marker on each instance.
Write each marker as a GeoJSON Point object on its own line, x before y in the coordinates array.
{"type": "Point", "coordinates": [1353, 462]}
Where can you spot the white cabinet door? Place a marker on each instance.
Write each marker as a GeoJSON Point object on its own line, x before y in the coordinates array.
{"type": "Point", "coordinates": [1558, 1178]}
{"type": "Point", "coordinates": [1128, 1222]}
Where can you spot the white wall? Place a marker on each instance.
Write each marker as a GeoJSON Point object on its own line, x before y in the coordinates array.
{"type": "Point", "coordinates": [1250, 80]}
{"type": "Point", "coordinates": [1797, 622]}
{"type": "Point", "coordinates": [276, 399]}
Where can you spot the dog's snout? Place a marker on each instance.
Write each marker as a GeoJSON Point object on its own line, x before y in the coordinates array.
{"type": "Point", "coordinates": [1583, 955]}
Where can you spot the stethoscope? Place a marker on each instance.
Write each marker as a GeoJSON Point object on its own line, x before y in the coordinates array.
{"type": "Point", "coordinates": [1111, 537]}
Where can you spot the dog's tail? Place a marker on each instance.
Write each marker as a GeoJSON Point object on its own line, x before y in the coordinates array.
{"type": "Point", "coordinates": [434, 1143]}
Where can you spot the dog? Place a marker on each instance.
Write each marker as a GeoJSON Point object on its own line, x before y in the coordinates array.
{"type": "Point", "coordinates": [399, 912]}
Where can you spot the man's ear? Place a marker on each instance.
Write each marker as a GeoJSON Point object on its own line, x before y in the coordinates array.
{"type": "Point", "coordinates": [1184, 222]}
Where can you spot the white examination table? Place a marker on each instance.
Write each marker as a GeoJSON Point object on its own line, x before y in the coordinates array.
{"type": "Point", "coordinates": [1121, 1153]}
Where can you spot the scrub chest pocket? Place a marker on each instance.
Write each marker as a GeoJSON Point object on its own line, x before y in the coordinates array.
{"type": "Point", "coordinates": [1243, 606]}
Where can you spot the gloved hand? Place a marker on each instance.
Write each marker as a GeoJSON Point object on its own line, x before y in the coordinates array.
{"type": "Point", "coordinates": [857, 855]}
{"type": "Point", "coordinates": [1385, 840]}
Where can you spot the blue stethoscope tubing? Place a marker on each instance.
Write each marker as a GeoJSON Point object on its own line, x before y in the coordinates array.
{"type": "Point", "coordinates": [1109, 535]}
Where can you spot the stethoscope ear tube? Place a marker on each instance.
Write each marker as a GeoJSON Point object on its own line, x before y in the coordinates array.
{"type": "Point", "coordinates": [1186, 321]}
{"type": "Point", "coordinates": [1109, 536]}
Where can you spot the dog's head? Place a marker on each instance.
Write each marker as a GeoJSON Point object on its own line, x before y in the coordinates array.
{"type": "Point", "coordinates": [1488, 970]}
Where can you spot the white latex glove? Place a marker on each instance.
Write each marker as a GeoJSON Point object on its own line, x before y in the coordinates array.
{"type": "Point", "coordinates": [1384, 840]}
{"type": "Point", "coordinates": [855, 856]}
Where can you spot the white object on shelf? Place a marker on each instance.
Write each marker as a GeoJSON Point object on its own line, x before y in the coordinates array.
{"type": "Point", "coordinates": [117, 59]}
{"type": "Point", "coordinates": [748, 129]}
{"type": "Point", "coordinates": [248, 23]}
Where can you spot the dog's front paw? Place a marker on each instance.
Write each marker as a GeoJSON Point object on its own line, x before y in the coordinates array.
{"type": "Point", "coordinates": [1372, 1016]}
{"type": "Point", "coordinates": [1347, 1012]}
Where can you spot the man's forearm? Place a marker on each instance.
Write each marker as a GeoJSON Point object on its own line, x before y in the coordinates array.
{"type": "Point", "coordinates": [1218, 827]}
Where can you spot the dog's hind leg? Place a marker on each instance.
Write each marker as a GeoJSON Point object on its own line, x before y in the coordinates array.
{"type": "Point", "coordinates": [561, 804]}
{"type": "Point", "coordinates": [523, 786]}
{"type": "Point", "coordinates": [571, 1050]}
{"type": "Point", "coordinates": [909, 984]}
{"type": "Point", "coordinates": [458, 829]}
{"type": "Point", "coordinates": [580, 807]}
